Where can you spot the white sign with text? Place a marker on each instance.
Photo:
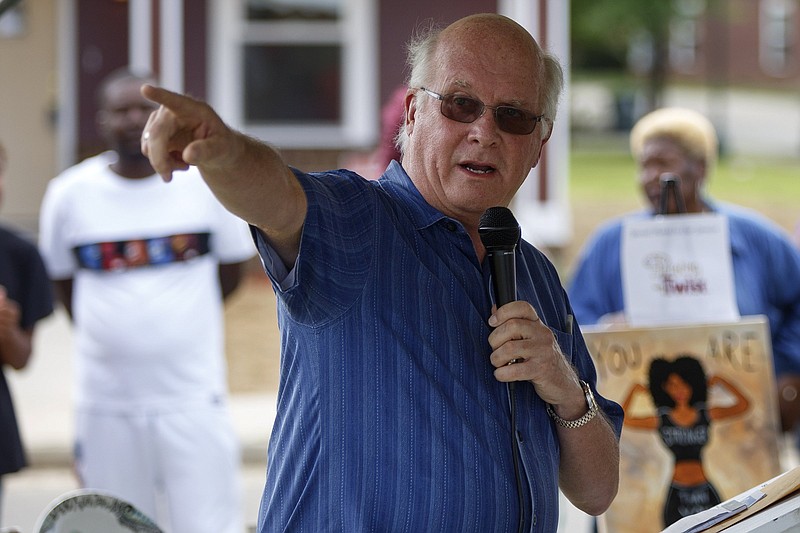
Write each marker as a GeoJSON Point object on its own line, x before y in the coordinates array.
{"type": "Point", "coordinates": [677, 269]}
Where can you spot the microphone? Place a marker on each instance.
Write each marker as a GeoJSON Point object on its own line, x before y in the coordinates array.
{"type": "Point", "coordinates": [500, 232]}
{"type": "Point", "coordinates": [670, 185]}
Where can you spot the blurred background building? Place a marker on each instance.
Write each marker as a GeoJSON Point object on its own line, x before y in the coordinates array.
{"type": "Point", "coordinates": [310, 76]}
{"type": "Point", "coordinates": [717, 48]}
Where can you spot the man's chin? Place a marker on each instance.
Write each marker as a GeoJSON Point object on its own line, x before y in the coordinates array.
{"type": "Point", "coordinates": [130, 151]}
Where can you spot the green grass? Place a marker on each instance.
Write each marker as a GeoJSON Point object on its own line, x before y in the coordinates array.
{"type": "Point", "coordinates": [602, 175]}
{"type": "Point", "coordinates": [755, 182]}
{"type": "Point", "coordinates": [747, 179]}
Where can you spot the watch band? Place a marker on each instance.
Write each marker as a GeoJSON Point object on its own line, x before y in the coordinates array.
{"type": "Point", "coordinates": [582, 421]}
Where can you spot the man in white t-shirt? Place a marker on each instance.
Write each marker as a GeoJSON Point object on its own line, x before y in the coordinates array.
{"type": "Point", "coordinates": [142, 268]}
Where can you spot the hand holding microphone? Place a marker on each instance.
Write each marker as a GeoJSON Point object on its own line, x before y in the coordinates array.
{"type": "Point", "coordinates": [524, 349]}
{"type": "Point", "coordinates": [500, 232]}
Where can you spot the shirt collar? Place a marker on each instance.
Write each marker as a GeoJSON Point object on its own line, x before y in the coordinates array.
{"type": "Point", "coordinates": [737, 240]}
{"type": "Point", "coordinates": [738, 244]}
{"type": "Point", "coordinates": [397, 184]}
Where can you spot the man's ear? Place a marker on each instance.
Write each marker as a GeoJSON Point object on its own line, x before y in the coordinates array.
{"type": "Point", "coordinates": [546, 137]}
{"type": "Point", "coordinates": [547, 123]}
{"type": "Point", "coordinates": [101, 119]}
{"type": "Point", "coordinates": [410, 105]}
{"type": "Point", "coordinates": [702, 168]}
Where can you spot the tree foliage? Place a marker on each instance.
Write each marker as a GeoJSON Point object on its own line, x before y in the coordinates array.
{"type": "Point", "coordinates": [603, 30]}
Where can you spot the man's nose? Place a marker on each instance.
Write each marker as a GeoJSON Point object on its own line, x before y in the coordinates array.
{"type": "Point", "coordinates": [485, 128]}
{"type": "Point", "coordinates": [139, 114]}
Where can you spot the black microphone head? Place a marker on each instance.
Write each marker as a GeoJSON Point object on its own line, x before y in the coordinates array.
{"type": "Point", "coordinates": [498, 229]}
{"type": "Point", "coordinates": [669, 177]}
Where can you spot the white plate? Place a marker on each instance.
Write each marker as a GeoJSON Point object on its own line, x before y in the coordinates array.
{"type": "Point", "coordinates": [92, 511]}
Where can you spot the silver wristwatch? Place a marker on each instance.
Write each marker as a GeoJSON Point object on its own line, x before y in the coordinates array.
{"type": "Point", "coordinates": [573, 424]}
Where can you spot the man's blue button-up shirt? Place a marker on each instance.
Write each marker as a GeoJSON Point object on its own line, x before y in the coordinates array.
{"type": "Point", "coordinates": [389, 417]}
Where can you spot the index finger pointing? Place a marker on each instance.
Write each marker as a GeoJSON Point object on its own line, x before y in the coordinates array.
{"type": "Point", "coordinates": [169, 129]}
{"type": "Point", "coordinates": [174, 101]}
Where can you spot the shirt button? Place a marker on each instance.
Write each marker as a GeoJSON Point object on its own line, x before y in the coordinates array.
{"type": "Point", "coordinates": [450, 226]}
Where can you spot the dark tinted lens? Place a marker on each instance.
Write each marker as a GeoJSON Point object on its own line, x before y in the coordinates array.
{"type": "Point", "coordinates": [461, 108]}
{"type": "Point", "coordinates": [513, 120]}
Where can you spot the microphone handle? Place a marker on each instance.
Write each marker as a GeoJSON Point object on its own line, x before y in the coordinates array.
{"type": "Point", "coordinates": [504, 276]}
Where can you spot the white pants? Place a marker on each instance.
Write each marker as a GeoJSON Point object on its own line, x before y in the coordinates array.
{"type": "Point", "coordinates": [179, 466]}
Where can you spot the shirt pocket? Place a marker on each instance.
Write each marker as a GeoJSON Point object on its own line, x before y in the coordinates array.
{"type": "Point", "coordinates": [566, 341]}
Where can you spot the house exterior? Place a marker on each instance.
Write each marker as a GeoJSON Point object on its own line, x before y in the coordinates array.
{"type": "Point", "coordinates": [743, 42]}
{"type": "Point", "coordinates": [309, 76]}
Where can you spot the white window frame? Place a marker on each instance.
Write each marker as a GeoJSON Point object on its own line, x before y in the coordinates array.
{"type": "Point", "coordinates": [685, 35]}
{"type": "Point", "coordinates": [776, 36]}
{"type": "Point", "coordinates": [356, 33]}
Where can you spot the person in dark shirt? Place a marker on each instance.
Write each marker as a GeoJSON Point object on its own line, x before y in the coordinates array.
{"type": "Point", "coordinates": [25, 298]}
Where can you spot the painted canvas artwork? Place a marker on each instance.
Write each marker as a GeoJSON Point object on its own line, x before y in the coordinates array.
{"type": "Point", "coordinates": [701, 417]}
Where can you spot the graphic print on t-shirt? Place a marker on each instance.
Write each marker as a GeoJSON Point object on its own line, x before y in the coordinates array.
{"type": "Point", "coordinates": [133, 253]}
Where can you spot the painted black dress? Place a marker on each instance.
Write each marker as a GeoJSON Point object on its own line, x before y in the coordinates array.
{"type": "Point", "coordinates": [686, 444]}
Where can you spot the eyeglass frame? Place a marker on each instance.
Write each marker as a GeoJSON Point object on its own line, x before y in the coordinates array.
{"type": "Point", "coordinates": [441, 97]}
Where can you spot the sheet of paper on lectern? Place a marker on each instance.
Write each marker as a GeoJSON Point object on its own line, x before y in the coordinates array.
{"type": "Point", "coordinates": [677, 269]}
{"type": "Point", "coordinates": [710, 517]}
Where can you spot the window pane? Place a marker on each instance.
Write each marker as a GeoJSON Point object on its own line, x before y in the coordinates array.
{"type": "Point", "coordinates": [293, 9]}
{"type": "Point", "coordinates": [292, 84]}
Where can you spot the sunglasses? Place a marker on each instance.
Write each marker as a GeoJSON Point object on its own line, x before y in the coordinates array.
{"type": "Point", "coordinates": [465, 109]}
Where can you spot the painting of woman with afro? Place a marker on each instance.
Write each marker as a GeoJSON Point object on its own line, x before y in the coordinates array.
{"type": "Point", "coordinates": [679, 390]}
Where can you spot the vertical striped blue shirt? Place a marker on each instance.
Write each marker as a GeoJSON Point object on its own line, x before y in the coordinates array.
{"type": "Point", "coordinates": [389, 417]}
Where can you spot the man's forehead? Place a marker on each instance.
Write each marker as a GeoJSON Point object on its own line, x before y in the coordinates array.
{"type": "Point", "coordinates": [663, 147]}
{"type": "Point", "coordinates": [125, 92]}
{"type": "Point", "coordinates": [469, 67]}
